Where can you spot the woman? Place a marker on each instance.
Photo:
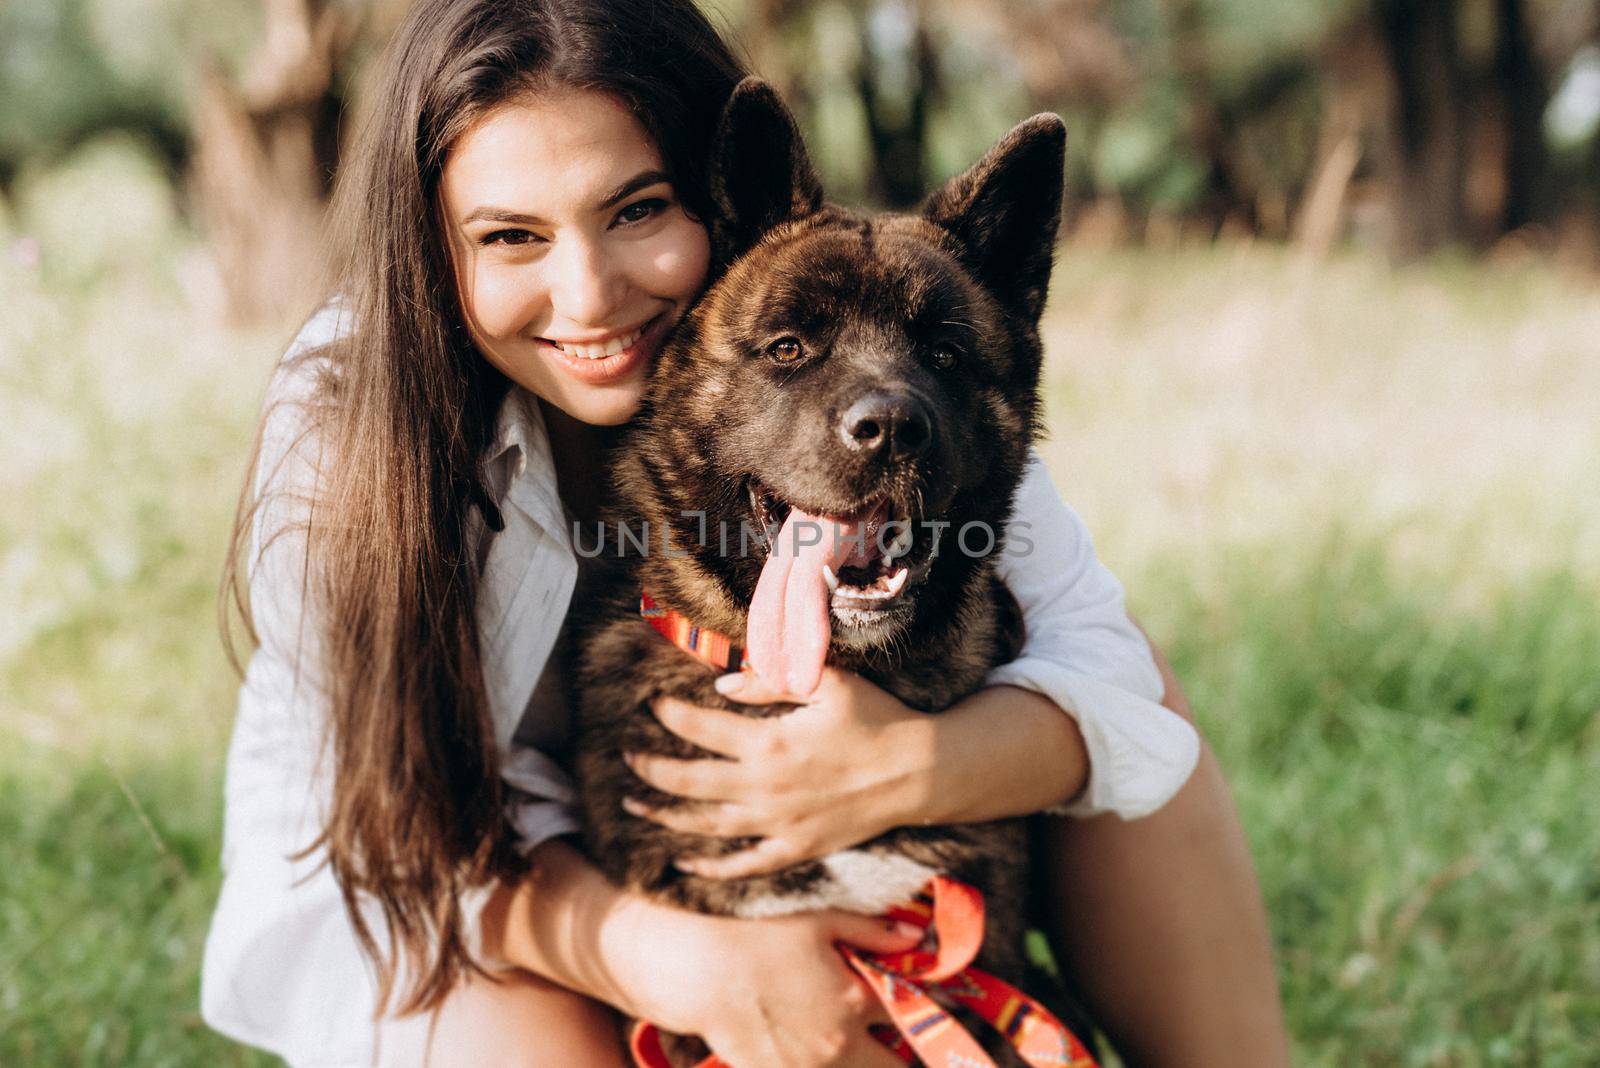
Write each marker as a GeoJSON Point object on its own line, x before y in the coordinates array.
{"type": "Point", "coordinates": [524, 222]}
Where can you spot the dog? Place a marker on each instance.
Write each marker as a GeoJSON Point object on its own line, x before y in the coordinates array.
{"type": "Point", "coordinates": [879, 373]}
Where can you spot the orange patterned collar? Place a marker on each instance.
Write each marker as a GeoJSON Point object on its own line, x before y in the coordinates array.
{"type": "Point", "coordinates": [707, 646]}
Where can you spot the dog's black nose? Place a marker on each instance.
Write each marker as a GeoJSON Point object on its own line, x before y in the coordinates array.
{"type": "Point", "coordinates": [896, 423]}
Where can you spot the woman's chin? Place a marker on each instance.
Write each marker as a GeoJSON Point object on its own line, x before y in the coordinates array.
{"type": "Point", "coordinates": [610, 405]}
{"type": "Point", "coordinates": [611, 415]}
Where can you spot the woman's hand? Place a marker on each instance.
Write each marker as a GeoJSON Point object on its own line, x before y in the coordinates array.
{"type": "Point", "coordinates": [849, 763]}
{"type": "Point", "coordinates": [769, 993]}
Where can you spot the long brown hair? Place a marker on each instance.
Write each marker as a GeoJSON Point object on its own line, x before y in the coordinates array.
{"type": "Point", "coordinates": [404, 409]}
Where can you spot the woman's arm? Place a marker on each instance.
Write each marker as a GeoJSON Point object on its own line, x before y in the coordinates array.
{"type": "Point", "coordinates": [770, 992]}
{"type": "Point", "coordinates": [850, 762]}
{"type": "Point", "coordinates": [1085, 655]}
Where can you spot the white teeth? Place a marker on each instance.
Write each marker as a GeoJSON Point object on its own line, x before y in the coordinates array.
{"type": "Point", "coordinates": [873, 592]}
{"type": "Point", "coordinates": [898, 580]}
{"type": "Point", "coordinates": [901, 544]}
{"type": "Point", "coordinates": [599, 350]}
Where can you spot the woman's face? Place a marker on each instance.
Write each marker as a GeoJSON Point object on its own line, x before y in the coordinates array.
{"type": "Point", "coordinates": [572, 254]}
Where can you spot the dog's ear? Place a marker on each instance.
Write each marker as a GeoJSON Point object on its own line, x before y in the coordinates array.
{"type": "Point", "coordinates": [1004, 211]}
{"type": "Point", "coordinates": [760, 173]}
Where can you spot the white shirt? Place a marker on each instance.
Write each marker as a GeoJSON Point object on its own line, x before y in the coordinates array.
{"type": "Point", "coordinates": [282, 967]}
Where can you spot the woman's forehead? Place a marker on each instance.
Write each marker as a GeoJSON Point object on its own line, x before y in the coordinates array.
{"type": "Point", "coordinates": [553, 153]}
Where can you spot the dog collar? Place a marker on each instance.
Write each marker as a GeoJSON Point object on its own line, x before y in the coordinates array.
{"type": "Point", "coordinates": [706, 646]}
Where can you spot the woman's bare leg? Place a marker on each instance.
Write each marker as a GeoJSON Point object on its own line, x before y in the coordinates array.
{"type": "Point", "coordinates": [520, 1022]}
{"type": "Point", "coordinates": [1161, 926]}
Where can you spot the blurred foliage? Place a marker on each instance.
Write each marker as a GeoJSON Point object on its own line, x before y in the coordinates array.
{"type": "Point", "coordinates": [71, 69]}
{"type": "Point", "coordinates": [1224, 109]}
{"type": "Point", "coordinates": [105, 205]}
{"type": "Point", "coordinates": [1228, 110]}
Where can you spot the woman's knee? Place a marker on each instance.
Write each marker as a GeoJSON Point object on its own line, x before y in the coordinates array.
{"type": "Point", "coordinates": [519, 1020]}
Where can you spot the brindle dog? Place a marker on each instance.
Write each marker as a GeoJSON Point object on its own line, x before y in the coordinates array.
{"type": "Point", "coordinates": [839, 364]}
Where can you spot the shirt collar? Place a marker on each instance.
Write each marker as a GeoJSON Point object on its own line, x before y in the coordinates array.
{"type": "Point", "coordinates": [520, 468]}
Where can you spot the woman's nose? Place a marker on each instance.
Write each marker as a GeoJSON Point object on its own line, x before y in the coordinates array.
{"type": "Point", "coordinates": [587, 286]}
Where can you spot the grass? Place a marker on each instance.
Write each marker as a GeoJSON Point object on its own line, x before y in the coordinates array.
{"type": "Point", "coordinates": [1343, 497]}
{"type": "Point", "coordinates": [1419, 787]}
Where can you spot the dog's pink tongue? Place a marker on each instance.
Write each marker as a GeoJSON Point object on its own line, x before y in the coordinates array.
{"type": "Point", "coordinates": [789, 630]}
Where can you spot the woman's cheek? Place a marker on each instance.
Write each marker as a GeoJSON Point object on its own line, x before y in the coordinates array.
{"type": "Point", "coordinates": [680, 260]}
{"type": "Point", "coordinates": [503, 301]}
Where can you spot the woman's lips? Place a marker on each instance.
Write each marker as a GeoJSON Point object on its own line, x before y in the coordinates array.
{"type": "Point", "coordinates": [598, 371]}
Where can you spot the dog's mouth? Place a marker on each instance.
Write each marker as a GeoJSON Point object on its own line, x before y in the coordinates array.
{"type": "Point", "coordinates": [888, 552]}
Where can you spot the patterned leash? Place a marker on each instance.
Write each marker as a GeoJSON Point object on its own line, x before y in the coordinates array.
{"type": "Point", "coordinates": [952, 914]}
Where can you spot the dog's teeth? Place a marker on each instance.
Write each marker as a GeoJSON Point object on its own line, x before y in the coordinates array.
{"type": "Point", "coordinates": [901, 544]}
{"type": "Point", "coordinates": [898, 580]}
{"type": "Point", "coordinates": [830, 578]}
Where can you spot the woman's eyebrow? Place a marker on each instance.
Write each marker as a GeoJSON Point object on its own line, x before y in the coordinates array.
{"type": "Point", "coordinates": [642, 180]}
{"type": "Point", "coordinates": [502, 215]}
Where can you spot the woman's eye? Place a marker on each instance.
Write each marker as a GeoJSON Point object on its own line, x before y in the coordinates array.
{"type": "Point", "coordinates": [786, 350]}
{"type": "Point", "coordinates": [640, 210]}
{"type": "Point", "coordinates": [945, 357]}
{"type": "Point", "coordinates": [507, 237]}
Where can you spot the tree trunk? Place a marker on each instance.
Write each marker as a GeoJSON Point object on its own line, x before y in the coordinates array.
{"type": "Point", "coordinates": [1523, 96]}
{"type": "Point", "coordinates": [897, 121]}
{"type": "Point", "coordinates": [1229, 192]}
{"type": "Point", "coordinates": [265, 151]}
{"type": "Point", "coordinates": [1427, 141]}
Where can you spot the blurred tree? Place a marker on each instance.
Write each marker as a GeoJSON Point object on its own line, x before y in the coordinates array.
{"type": "Point", "coordinates": [1069, 56]}
{"type": "Point", "coordinates": [1524, 94]}
{"type": "Point", "coordinates": [1425, 144]}
{"type": "Point", "coordinates": [1352, 74]}
{"type": "Point", "coordinates": [265, 150]}
{"type": "Point", "coordinates": [897, 78]}
{"type": "Point", "coordinates": [767, 27]}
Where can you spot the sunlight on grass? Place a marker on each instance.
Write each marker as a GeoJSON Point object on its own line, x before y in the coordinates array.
{"type": "Point", "coordinates": [1207, 397]}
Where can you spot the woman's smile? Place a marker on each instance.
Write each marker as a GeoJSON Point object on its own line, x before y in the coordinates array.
{"type": "Point", "coordinates": [608, 359]}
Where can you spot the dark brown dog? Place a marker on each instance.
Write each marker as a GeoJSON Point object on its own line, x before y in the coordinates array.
{"type": "Point", "coordinates": [879, 368]}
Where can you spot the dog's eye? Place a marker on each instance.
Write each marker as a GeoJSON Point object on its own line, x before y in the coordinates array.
{"type": "Point", "coordinates": [786, 350]}
{"type": "Point", "coordinates": [945, 357]}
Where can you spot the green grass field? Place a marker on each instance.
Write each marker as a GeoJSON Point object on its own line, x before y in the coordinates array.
{"type": "Point", "coordinates": [1350, 501]}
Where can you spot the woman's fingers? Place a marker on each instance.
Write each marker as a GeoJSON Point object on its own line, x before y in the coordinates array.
{"type": "Point", "coordinates": [873, 933]}
{"type": "Point", "coordinates": [714, 729]}
{"type": "Point", "coordinates": [874, 1054]}
{"type": "Point", "coordinates": [708, 818]}
{"type": "Point", "coordinates": [748, 688]}
{"type": "Point", "coordinates": [767, 855]}
{"type": "Point", "coordinates": [708, 779]}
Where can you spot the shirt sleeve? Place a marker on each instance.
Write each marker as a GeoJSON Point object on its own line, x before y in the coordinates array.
{"type": "Point", "coordinates": [1083, 653]}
